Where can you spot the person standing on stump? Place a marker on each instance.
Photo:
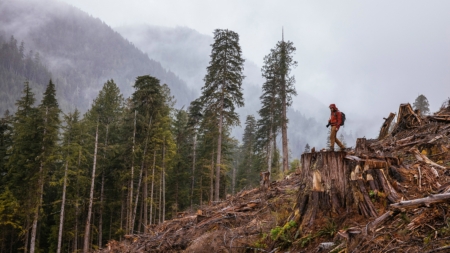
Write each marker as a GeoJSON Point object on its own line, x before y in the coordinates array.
{"type": "Point", "coordinates": [335, 122]}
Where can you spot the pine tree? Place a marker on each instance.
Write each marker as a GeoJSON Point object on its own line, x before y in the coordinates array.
{"type": "Point", "coordinates": [421, 104]}
{"type": "Point", "coordinates": [222, 90]}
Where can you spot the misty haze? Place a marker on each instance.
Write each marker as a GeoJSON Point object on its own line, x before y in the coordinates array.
{"type": "Point", "coordinates": [121, 115]}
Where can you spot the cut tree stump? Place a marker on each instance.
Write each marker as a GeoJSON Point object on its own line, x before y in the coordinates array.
{"type": "Point", "coordinates": [329, 187]}
{"type": "Point", "coordinates": [334, 183]}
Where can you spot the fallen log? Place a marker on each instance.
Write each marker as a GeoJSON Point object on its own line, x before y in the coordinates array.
{"type": "Point", "coordinates": [432, 199]}
{"type": "Point", "coordinates": [423, 158]}
{"type": "Point", "coordinates": [371, 226]}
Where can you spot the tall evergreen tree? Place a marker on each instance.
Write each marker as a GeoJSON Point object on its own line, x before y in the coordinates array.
{"type": "Point", "coordinates": [270, 112]}
{"type": "Point", "coordinates": [247, 169]}
{"type": "Point", "coordinates": [421, 103]}
{"type": "Point", "coordinates": [49, 110]}
{"type": "Point", "coordinates": [285, 51]}
{"type": "Point", "coordinates": [278, 90]}
{"type": "Point", "coordinates": [222, 90]}
{"type": "Point", "coordinates": [71, 144]}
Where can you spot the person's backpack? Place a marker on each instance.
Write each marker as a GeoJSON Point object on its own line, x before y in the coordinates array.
{"type": "Point", "coordinates": [343, 118]}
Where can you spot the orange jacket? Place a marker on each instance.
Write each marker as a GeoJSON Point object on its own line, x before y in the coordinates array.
{"type": "Point", "coordinates": [335, 117]}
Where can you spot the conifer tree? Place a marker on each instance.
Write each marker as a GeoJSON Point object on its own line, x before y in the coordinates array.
{"type": "Point", "coordinates": [248, 170]}
{"type": "Point", "coordinates": [49, 129]}
{"type": "Point", "coordinates": [278, 90]}
{"type": "Point", "coordinates": [307, 148]}
{"type": "Point", "coordinates": [421, 103]}
{"type": "Point", "coordinates": [222, 90]}
{"type": "Point", "coordinates": [287, 90]}
{"type": "Point", "coordinates": [71, 146]}
{"type": "Point", "coordinates": [105, 114]}
{"type": "Point", "coordinates": [270, 112]}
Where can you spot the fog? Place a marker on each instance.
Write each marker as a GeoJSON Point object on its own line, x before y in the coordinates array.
{"type": "Point", "coordinates": [367, 57]}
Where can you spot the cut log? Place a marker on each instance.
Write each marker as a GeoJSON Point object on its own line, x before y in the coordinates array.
{"type": "Point", "coordinates": [432, 199]}
{"type": "Point", "coordinates": [384, 131]}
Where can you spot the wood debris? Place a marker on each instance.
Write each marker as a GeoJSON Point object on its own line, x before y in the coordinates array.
{"type": "Point", "coordinates": [390, 194]}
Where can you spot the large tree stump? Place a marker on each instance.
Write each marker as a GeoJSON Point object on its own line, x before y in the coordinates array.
{"type": "Point", "coordinates": [329, 187]}
{"type": "Point", "coordinates": [334, 183]}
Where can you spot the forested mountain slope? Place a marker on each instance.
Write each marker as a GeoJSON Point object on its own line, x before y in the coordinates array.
{"type": "Point", "coordinates": [80, 51]}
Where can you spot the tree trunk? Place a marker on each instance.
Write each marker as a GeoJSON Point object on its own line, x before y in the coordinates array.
{"type": "Point", "coordinates": [75, 244]}
{"type": "Point", "coordinates": [130, 204]}
{"type": "Point", "coordinates": [233, 180]}
{"type": "Point", "coordinates": [164, 181]}
{"type": "Point", "coordinates": [284, 139]}
{"type": "Point", "coordinates": [160, 199]}
{"type": "Point", "coordinates": [219, 153]}
{"type": "Point", "coordinates": [100, 221]}
{"type": "Point", "coordinates": [153, 183]}
{"type": "Point", "coordinates": [40, 191]}
{"type": "Point", "coordinates": [269, 152]}
{"type": "Point", "coordinates": [145, 197]}
{"type": "Point", "coordinates": [27, 232]}
{"type": "Point", "coordinates": [91, 197]}
{"type": "Point", "coordinates": [63, 203]}
{"type": "Point", "coordinates": [137, 196]}
{"type": "Point", "coordinates": [211, 195]}
{"type": "Point", "coordinates": [193, 169]}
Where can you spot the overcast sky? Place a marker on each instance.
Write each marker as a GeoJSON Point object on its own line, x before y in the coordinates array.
{"type": "Point", "coordinates": [365, 56]}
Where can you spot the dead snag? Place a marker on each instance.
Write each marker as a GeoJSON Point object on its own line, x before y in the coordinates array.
{"type": "Point", "coordinates": [406, 119]}
{"type": "Point", "coordinates": [384, 131]}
